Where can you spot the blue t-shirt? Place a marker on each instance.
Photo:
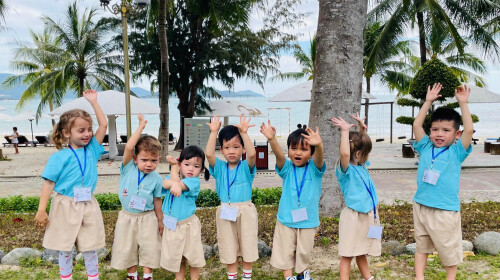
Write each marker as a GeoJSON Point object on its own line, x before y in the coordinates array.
{"type": "Point", "coordinates": [151, 186]}
{"type": "Point", "coordinates": [443, 195]}
{"type": "Point", "coordinates": [184, 206]}
{"type": "Point", "coordinates": [241, 189]}
{"type": "Point", "coordinates": [309, 196]}
{"type": "Point", "coordinates": [352, 184]}
{"type": "Point", "coordinates": [63, 168]}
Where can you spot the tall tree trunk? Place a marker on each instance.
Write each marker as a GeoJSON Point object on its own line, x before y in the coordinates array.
{"type": "Point", "coordinates": [164, 78]}
{"type": "Point", "coordinates": [368, 90]}
{"type": "Point", "coordinates": [183, 107]}
{"type": "Point", "coordinates": [51, 108]}
{"type": "Point", "coordinates": [421, 38]}
{"type": "Point", "coordinates": [337, 83]}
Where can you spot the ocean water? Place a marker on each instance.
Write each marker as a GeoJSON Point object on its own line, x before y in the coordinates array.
{"type": "Point", "coordinates": [283, 115]}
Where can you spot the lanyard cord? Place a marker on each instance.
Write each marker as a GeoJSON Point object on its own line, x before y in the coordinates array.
{"type": "Point", "coordinates": [139, 179]}
{"type": "Point", "coordinates": [234, 179]}
{"type": "Point", "coordinates": [170, 204]}
{"type": "Point", "coordinates": [435, 156]}
{"type": "Point", "coordinates": [84, 159]}
{"type": "Point", "coordinates": [369, 192]}
{"type": "Point", "coordinates": [299, 189]}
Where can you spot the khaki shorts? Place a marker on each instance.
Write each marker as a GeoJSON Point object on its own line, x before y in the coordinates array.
{"type": "Point", "coordinates": [183, 244]}
{"type": "Point", "coordinates": [353, 231]}
{"type": "Point", "coordinates": [238, 238]}
{"type": "Point", "coordinates": [71, 222]}
{"type": "Point", "coordinates": [136, 233]}
{"type": "Point", "coordinates": [438, 230]}
{"type": "Point", "coordinates": [292, 247]}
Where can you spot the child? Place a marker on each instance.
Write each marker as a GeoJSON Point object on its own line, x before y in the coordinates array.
{"type": "Point", "coordinates": [72, 173]}
{"type": "Point", "coordinates": [236, 218]}
{"type": "Point", "coordinates": [181, 242]}
{"type": "Point", "coordinates": [436, 206]}
{"type": "Point", "coordinates": [298, 213]}
{"type": "Point", "coordinates": [138, 227]}
{"type": "Point", "coordinates": [358, 220]}
{"type": "Point", "coordinates": [14, 137]}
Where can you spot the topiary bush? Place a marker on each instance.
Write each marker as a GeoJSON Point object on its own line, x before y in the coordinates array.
{"type": "Point", "coordinates": [434, 71]}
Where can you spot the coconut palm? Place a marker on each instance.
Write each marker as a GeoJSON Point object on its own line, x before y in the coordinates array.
{"type": "Point", "coordinates": [3, 9]}
{"type": "Point", "coordinates": [89, 63]}
{"type": "Point", "coordinates": [305, 60]}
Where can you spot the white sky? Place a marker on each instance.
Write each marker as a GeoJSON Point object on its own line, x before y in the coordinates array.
{"type": "Point", "coordinates": [25, 14]}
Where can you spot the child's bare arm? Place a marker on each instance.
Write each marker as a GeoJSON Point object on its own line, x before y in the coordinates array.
{"type": "Point", "coordinates": [462, 95]}
{"type": "Point", "coordinates": [159, 214]}
{"type": "Point", "coordinates": [214, 126]}
{"type": "Point", "coordinates": [128, 152]}
{"type": "Point", "coordinates": [270, 133]}
{"type": "Point", "coordinates": [345, 149]}
{"type": "Point", "coordinates": [362, 125]}
{"type": "Point", "coordinates": [432, 95]}
{"type": "Point", "coordinates": [314, 139]}
{"type": "Point", "coordinates": [249, 148]}
{"type": "Point", "coordinates": [91, 96]}
{"type": "Point", "coordinates": [41, 217]}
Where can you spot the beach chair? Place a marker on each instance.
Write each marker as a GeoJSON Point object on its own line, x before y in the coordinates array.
{"type": "Point", "coordinates": [171, 139]}
{"type": "Point", "coordinates": [43, 140]}
{"type": "Point", "coordinates": [9, 141]}
{"type": "Point", "coordinates": [24, 141]}
{"type": "Point", "coordinates": [105, 140]}
{"type": "Point", "coordinates": [123, 138]}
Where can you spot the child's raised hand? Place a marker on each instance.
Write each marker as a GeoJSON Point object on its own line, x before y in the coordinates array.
{"type": "Point", "coordinates": [214, 124]}
{"type": "Point", "coordinates": [313, 139]}
{"type": "Point", "coordinates": [90, 95]}
{"type": "Point", "coordinates": [41, 219]}
{"type": "Point", "coordinates": [171, 160]}
{"type": "Point", "coordinates": [342, 124]}
{"type": "Point", "coordinates": [433, 93]}
{"type": "Point", "coordinates": [462, 93]}
{"type": "Point", "coordinates": [359, 119]}
{"type": "Point", "coordinates": [142, 121]}
{"type": "Point", "coordinates": [176, 190]}
{"type": "Point", "coordinates": [244, 124]}
{"type": "Point", "coordinates": [268, 131]}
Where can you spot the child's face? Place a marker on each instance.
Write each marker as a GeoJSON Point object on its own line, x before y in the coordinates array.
{"type": "Point", "coordinates": [190, 167]}
{"type": "Point", "coordinates": [443, 133]}
{"type": "Point", "coordinates": [80, 133]}
{"type": "Point", "coordinates": [146, 162]}
{"type": "Point", "coordinates": [232, 150]}
{"type": "Point", "coordinates": [299, 153]}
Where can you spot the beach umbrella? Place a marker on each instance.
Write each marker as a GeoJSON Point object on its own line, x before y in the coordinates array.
{"type": "Point", "coordinates": [4, 117]}
{"type": "Point", "coordinates": [230, 108]}
{"type": "Point", "coordinates": [112, 103]}
{"type": "Point", "coordinates": [479, 95]}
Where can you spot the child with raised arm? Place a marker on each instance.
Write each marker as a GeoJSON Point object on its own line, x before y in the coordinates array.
{"type": "Point", "coordinates": [236, 218]}
{"type": "Point", "coordinates": [139, 223]}
{"type": "Point", "coordinates": [181, 242]}
{"type": "Point", "coordinates": [359, 225]}
{"type": "Point", "coordinates": [436, 206]}
{"type": "Point", "coordinates": [298, 211]}
{"type": "Point", "coordinates": [75, 216]}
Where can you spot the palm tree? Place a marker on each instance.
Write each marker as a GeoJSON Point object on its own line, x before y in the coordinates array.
{"type": "Point", "coordinates": [305, 60]}
{"type": "Point", "coordinates": [89, 62]}
{"type": "Point", "coordinates": [164, 77]}
{"type": "Point", "coordinates": [337, 82]}
{"type": "Point", "coordinates": [3, 9]}
{"type": "Point", "coordinates": [38, 62]}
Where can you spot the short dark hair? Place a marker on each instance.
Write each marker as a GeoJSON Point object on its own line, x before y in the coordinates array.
{"type": "Point", "coordinates": [14, 128]}
{"type": "Point", "coordinates": [148, 144]}
{"type": "Point", "coordinates": [190, 152]}
{"type": "Point", "coordinates": [296, 137]}
{"type": "Point", "coordinates": [229, 132]}
{"type": "Point", "coordinates": [447, 114]}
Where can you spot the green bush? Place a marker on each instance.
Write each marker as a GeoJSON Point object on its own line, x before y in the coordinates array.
{"type": "Point", "coordinates": [108, 201]}
{"type": "Point", "coordinates": [405, 102]}
{"type": "Point", "coordinates": [270, 196]}
{"type": "Point", "coordinates": [405, 120]}
{"type": "Point", "coordinates": [207, 198]}
{"type": "Point", "coordinates": [434, 71]}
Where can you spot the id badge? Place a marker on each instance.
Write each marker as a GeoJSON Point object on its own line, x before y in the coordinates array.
{"type": "Point", "coordinates": [82, 193]}
{"type": "Point", "coordinates": [229, 213]}
{"type": "Point", "coordinates": [299, 215]}
{"type": "Point", "coordinates": [170, 222]}
{"type": "Point", "coordinates": [375, 231]}
{"type": "Point", "coordinates": [431, 176]}
{"type": "Point", "coordinates": [136, 202]}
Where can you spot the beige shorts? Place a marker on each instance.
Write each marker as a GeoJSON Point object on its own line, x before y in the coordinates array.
{"type": "Point", "coordinates": [136, 233]}
{"type": "Point", "coordinates": [292, 247]}
{"type": "Point", "coordinates": [183, 244]}
{"type": "Point", "coordinates": [353, 231]}
{"type": "Point", "coordinates": [238, 238]}
{"type": "Point", "coordinates": [438, 230]}
{"type": "Point", "coordinates": [71, 222]}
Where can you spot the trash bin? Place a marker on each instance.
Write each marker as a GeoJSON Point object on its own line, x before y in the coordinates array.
{"type": "Point", "coordinates": [262, 158]}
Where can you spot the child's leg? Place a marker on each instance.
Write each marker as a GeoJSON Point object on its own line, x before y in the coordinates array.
{"type": "Point", "coordinates": [345, 267]}
{"type": "Point", "coordinates": [247, 270]}
{"type": "Point", "coordinates": [195, 272]}
{"type": "Point", "coordinates": [287, 273]}
{"type": "Point", "coordinates": [91, 264]}
{"type": "Point", "coordinates": [15, 146]}
{"type": "Point", "coordinates": [132, 271]}
{"type": "Point", "coordinates": [420, 263]}
{"type": "Point", "coordinates": [148, 272]}
{"type": "Point", "coordinates": [363, 266]}
{"type": "Point", "coordinates": [182, 272]}
{"type": "Point", "coordinates": [66, 264]}
{"type": "Point", "coordinates": [451, 272]}
{"type": "Point", "coordinates": [232, 270]}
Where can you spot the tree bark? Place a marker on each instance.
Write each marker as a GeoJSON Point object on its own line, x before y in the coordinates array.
{"type": "Point", "coordinates": [338, 83]}
{"type": "Point", "coordinates": [163, 94]}
{"type": "Point", "coordinates": [368, 90]}
{"type": "Point", "coordinates": [421, 38]}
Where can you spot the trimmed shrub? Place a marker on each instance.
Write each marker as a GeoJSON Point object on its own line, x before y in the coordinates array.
{"type": "Point", "coordinates": [434, 71]}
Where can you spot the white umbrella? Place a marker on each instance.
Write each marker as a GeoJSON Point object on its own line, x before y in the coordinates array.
{"type": "Point", "coordinates": [112, 103]}
{"type": "Point", "coordinates": [479, 95]}
{"type": "Point", "coordinates": [230, 108]}
{"type": "Point", "coordinates": [4, 117]}
{"type": "Point", "coordinates": [302, 93]}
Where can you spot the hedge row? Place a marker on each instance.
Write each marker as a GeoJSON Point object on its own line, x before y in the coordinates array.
{"type": "Point", "coordinates": [110, 201]}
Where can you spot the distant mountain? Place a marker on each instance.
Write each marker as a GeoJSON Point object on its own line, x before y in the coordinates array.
{"type": "Point", "coordinates": [140, 92]}
{"type": "Point", "coordinates": [242, 93]}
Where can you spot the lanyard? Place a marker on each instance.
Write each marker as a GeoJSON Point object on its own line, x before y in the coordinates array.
{"type": "Point", "coordinates": [370, 192]}
{"type": "Point", "coordinates": [139, 179]}
{"type": "Point", "coordinates": [234, 179]}
{"type": "Point", "coordinates": [84, 160]}
{"type": "Point", "coordinates": [170, 204]}
{"type": "Point", "coordinates": [299, 189]}
{"type": "Point", "coordinates": [435, 156]}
